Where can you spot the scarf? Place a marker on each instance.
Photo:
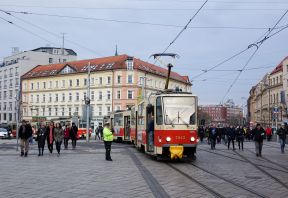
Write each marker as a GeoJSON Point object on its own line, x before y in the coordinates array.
{"type": "Point", "coordinates": [51, 135]}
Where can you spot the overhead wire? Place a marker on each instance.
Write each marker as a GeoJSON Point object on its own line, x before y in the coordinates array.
{"type": "Point", "coordinates": [135, 22]}
{"type": "Point", "coordinates": [49, 32]}
{"type": "Point", "coordinates": [257, 45]}
{"type": "Point", "coordinates": [26, 30]}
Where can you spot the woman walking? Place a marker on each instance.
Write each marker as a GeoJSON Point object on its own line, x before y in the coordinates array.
{"type": "Point", "coordinates": [240, 136]}
{"type": "Point", "coordinates": [41, 136]}
{"type": "Point", "coordinates": [58, 135]}
{"type": "Point", "coordinates": [66, 136]}
{"type": "Point", "coordinates": [108, 138]}
{"type": "Point", "coordinates": [50, 136]}
{"type": "Point", "coordinates": [73, 135]}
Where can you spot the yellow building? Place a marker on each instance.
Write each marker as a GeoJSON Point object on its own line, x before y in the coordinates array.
{"type": "Point", "coordinates": [116, 83]}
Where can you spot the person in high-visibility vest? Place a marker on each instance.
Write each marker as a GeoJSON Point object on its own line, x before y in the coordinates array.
{"type": "Point", "coordinates": [108, 138]}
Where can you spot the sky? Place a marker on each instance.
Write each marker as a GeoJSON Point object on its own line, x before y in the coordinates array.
{"type": "Point", "coordinates": [139, 28]}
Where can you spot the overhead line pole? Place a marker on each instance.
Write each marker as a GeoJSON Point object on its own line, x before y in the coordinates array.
{"type": "Point", "coordinates": [88, 105]}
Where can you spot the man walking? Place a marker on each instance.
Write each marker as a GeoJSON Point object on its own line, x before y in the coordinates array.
{"type": "Point", "coordinates": [108, 138]}
{"type": "Point", "coordinates": [24, 133]}
{"type": "Point", "coordinates": [73, 135]}
{"type": "Point", "coordinates": [50, 137]}
{"type": "Point", "coordinates": [258, 135]}
{"type": "Point", "coordinates": [282, 132]}
{"type": "Point", "coordinates": [213, 136]}
{"type": "Point", "coordinates": [231, 133]}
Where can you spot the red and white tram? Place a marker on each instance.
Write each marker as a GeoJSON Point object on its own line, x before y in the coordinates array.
{"type": "Point", "coordinates": [167, 125]}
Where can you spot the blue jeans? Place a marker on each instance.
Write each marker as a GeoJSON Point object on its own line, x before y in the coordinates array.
{"type": "Point", "coordinates": [282, 144]}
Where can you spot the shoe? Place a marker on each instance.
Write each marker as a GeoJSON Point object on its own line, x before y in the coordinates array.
{"type": "Point", "coordinates": [39, 154]}
{"type": "Point", "coordinates": [22, 154]}
{"type": "Point", "coordinates": [26, 154]}
{"type": "Point", "coordinates": [257, 155]}
{"type": "Point", "coordinates": [109, 159]}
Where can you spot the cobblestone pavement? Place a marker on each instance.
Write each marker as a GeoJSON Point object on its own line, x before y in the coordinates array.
{"type": "Point", "coordinates": [85, 173]}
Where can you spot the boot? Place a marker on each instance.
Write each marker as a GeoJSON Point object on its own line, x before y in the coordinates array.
{"type": "Point", "coordinates": [26, 154]}
{"type": "Point", "coordinates": [42, 151]}
{"type": "Point", "coordinates": [22, 153]}
{"type": "Point", "coordinates": [39, 152]}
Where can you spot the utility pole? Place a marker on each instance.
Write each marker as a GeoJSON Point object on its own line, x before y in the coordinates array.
{"type": "Point", "coordinates": [17, 118]}
{"type": "Point", "coordinates": [88, 105]}
{"type": "Point", "coordinates": [63, 41]}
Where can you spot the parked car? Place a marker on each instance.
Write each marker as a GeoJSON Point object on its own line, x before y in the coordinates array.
{"type": "Point", "coordinates": [4, 133]}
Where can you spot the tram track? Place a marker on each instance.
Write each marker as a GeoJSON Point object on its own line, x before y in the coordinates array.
{"type": "Point", "coordinates": [241, 160]}
{"type": "Point", "coordinates": [263, 171]}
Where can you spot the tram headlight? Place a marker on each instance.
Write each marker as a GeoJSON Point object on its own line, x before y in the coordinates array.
{"type": "Point", "coordinates": [192, 139]}
{"type": "Point", "coordinates": [168, 139]}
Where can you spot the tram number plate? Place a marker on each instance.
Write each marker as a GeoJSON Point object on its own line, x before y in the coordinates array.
{"type": "Point", "coordinates": [180, 137]}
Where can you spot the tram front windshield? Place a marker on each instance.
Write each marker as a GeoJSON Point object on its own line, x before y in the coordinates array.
{"type": "Point", "coordinates": [179, 110]}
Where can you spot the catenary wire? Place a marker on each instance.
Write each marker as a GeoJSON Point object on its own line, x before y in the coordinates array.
{"type": "Point", "coordinates": [135, 22]}
{"type": "Point", "coordinates": [26, 30]}
{"type": "Point", "coordinates": [257, 45]}
{"type": "Point", "coordinates": [52, 33]}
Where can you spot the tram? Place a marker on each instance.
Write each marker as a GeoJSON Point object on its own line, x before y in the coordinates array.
{"type": "Point", "coordinates": [167, 125]}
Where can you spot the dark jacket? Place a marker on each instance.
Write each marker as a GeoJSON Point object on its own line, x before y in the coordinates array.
{"type": "Point", "coordinates": [213, 133]}
{"type": "Point", "coordinates": [282, 133]}
{"type": "Point", "coordinates": [240, 134]}
{"type": "Point", "coordinates": [258, 134]}
{"type": "Point", "coordinates": [41, 136]}
{"type": "Point", "coordinates": [73, 132]}
{"type": "Point", "coordinates": [25, 132]}
{"type": "Point", "coordinates": [231, 133]}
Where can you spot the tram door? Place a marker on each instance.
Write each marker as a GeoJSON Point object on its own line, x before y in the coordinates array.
{"type": "Point", "coordinates": [126, 127]}
{"type": "Point", "coordinates": [150, 128]}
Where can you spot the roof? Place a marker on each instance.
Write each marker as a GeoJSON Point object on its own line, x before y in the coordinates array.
{"type": "Point", "coordinates": [69, 51]}
{"type": "Point", "coordinates": [101, 64]}
{"type": "Point", "coordinates": [279, 67]}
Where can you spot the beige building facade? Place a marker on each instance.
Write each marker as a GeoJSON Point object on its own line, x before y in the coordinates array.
{"type": "Point", "coordinates": [58, 91]}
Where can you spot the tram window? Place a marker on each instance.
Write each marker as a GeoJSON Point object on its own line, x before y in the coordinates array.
{"type": "Point", "coordinates": [192, 119]}
{"type": "Point", "coordinates": [159, 114]}
{"type": "Point", "coordinates": [141, 114]}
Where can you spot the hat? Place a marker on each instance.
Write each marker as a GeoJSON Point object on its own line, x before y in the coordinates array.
{"type": "Point", "coordinates": [258, 124]}
{"type": "Point", "coordinates": [23, 121]}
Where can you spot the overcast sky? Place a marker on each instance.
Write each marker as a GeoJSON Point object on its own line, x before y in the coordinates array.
{"type": "Point", "coordinates": [223, 28]}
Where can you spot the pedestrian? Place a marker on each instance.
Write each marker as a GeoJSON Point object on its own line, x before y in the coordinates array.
{"type": "Point", "coordinates": [41, 137]}
{"type": "Point", "coordinates": [108, 138]}
{"type": "Point", "coordinates": [213, 136]}
{"type": "Point", "coordinates": [98, 131]}
{"type": "Point", "coordinates": [258, 134]}
{"type": "Point", "coordinates": [240, 136]}
{"type": "Point", "coordinates": [73, 135]}
{"type": "Point", "coordinates": [282, 132]}
{"type": "Point", "coordinates": [50, 136]}
{"type": "Point", "coordinates": [268, 133]}
{"type": "Point", "coordinates": [66, 136]}
{"type": "Point", "coordinates": [201, 133]}
{"type": "Point", "coordinates": [231, 136]}
{"type": "Point", "coordinates": [24, 133]}
{"type": "Point", "coordinates": [58, 135]}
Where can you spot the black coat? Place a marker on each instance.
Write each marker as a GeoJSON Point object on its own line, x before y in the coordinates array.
{"type": "Point", "coordinates": [213, 132]}
{"type": "Point", "coordinates": [240, 134]}
{"type": "Point", "coordinates": [41, 136]}
{"type": "Point", "coordinates": [282, 133]}
{"type": "Point", "coordinates": [73, 132]}
{"type": "Point", "coordinates": [25, 134]}
{"type": "Point", "coordinates": [258, 134]}
{"type": "Point", "coordinates": [231, 133]}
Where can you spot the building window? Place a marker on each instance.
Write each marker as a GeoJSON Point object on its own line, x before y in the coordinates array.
{"type": "Point", "coordinates": [70, 96]}
{"type": "Point", "coordinates": [85, 81]}
{"type": "Point", "coordinates": [92, 95]}
{"type": "Point", "coordinates": [130, 79]}
{"type": "Point", "coordinates": [57, 84]}
{"type": "Point", "coordinates": [129, 63]}
{"type": "Point", "coordinates": [44, 85]}
{"type": "Point", "coordinates": [119, 79]}
{"type": "Point", "coordinates": [70, 83]}
{"type": "Point", "coordinates": [56, 111]}
{"type": "Point", "coordinates": [63, 83]}
{"type": "Point", "coordinates": [32, 85]}
{"type": "Point", "coordinates": [38, 86]}
{"type": "Point", "coordinates": [85, 95]}
{"type": "Point", "coordinates": [99, 110]}
{"type": "Point", "coordinates": [50, 97]}
{"type": "Point", "coordinates": [100, 80]}
{"type": "Point", "coordinates": [108, 80]}
{"type": "Point", "coordinates": [108, 109]}
{"type": "Point", "coordinates": [92, 81]}
{"type": "Point", "coordinates": [63, 97]}
{"type": "Point", "coordinates": [108, 95]}
{"type": "Point", "coordinates": [63, 111]}
{"type": "Point", "coordinates": [100, 95]}
{"type": "Point", "coordinates": [118, 94]}
{"type": "Point", "coordinates": [43, 111]}
{"type": "Point", "coordinates": [130, 94]}
{"type": "Point", "coordinates": [31, 98]}
{"type": "Point", "coordinates": [43, 98]}
{"type": "Point", "coordinates": [10, 94]}
{"type": "Point", "coordinates": [77, 96]}
{"type": "Point", "coordinates": [50, 60]}
{"type": "Point", "coordinates": [70, 110]}
{"type": "Point", "coordinates": [76, 110]}
{"type": "Point", "coordinates": [49, 111]}
{"type": "Point", "coordinates": [37, 98]}
{"type": "Point", "coordinates": [50, 84]}
{"type": "Point", "coordinates": [77, 82]}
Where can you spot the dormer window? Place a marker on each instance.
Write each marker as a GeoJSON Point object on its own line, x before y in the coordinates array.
{"type": "Point", "coordinates": [129, 63]}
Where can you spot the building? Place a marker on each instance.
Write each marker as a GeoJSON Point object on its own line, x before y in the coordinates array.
{"type": "Point", "coordinates": [58, 91]}
{"type": "Point", "coordinates": [223, 114]}
{"type": "Point", "coordinates": [18, 64]}
{"type": "Point", "coordinates": [267, 103]}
